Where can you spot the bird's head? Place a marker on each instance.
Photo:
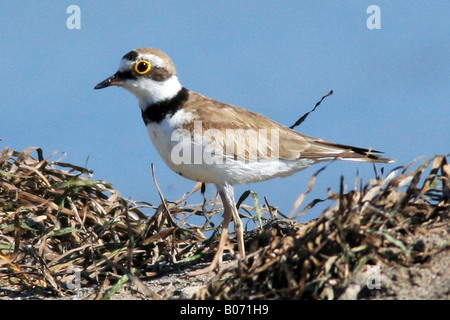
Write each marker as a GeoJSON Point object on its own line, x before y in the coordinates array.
{"type": "Point", "coordinates": [148, 73]}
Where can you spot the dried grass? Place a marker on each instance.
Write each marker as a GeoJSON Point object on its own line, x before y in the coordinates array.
{"type": "Point", "coordinates": [56, 222]}
{"type": "Point", "coordinates": [368, 226]}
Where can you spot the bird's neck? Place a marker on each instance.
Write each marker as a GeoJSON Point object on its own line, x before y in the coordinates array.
{"type": "Point", "coordinates": [150, 92]}
{"type": "Point", "coordinates": [157, 111]}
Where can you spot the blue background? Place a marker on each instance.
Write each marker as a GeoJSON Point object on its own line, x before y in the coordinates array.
{"type": "Point", "coordinates": [391, 86]}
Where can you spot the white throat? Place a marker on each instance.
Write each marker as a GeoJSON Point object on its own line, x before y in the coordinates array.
{"type": "Point", "coordinates": [149, 91]}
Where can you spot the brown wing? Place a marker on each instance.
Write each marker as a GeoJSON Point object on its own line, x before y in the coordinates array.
{"type": "Point", "coordinates": [239, 132]}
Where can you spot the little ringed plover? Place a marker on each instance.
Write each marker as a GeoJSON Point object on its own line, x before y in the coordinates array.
{"type": "Point", "coordinates": [213, 142]}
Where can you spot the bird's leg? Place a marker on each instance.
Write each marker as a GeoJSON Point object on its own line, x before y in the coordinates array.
{"type": "Point", "coordinates": [217, 260]}
{"type": "Point", "coordinates": [226, 193]}
{"type": "Point", "coordinates": [239, 232]}
{"type": "Point", "coordinates": [227, 196]}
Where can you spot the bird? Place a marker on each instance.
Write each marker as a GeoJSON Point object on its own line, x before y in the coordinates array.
{"type": "Point", "coordinates": [212, 142]}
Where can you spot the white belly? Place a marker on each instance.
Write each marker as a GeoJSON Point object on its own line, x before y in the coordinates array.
{"type": "Point", "coordinates": [186, 155]}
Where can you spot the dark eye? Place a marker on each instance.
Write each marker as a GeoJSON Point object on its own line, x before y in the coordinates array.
{"type": "Point", "coordinates": [142, 66]}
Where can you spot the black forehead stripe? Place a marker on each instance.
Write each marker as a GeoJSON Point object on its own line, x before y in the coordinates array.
{"type": "Point", "coordinates": [132, 55]}
{"type": "Point", "coordinates": [158, 111]}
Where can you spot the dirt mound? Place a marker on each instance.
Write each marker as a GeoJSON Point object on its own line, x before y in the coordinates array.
{"type": "Point", "coordinates": [65, 236]}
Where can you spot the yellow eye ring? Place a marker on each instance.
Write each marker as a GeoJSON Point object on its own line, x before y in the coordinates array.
{"type": "Point", "coordinates": [142, 66]}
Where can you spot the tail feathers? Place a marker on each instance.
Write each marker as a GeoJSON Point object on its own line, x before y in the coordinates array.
{"type": "Point", "coordinates": [348, 153]}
